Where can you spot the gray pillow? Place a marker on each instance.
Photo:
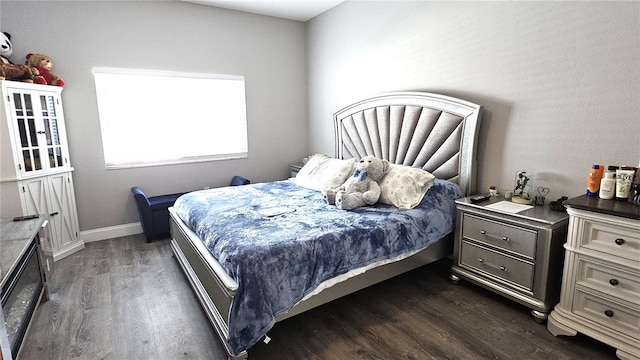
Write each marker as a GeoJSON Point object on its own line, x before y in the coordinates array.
{"type": "Point", "coordinates": [405, 186]}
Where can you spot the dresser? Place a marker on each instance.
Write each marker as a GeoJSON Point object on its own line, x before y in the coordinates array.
{"type": "Point", "coordinates": [515, 254]}
{"type": "Point", "coordinates": [600, 294]}
{"type": "Point", "coordinates": [35, 169]}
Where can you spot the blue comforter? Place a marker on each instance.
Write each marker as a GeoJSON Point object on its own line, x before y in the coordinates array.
{"type": "Point", "coordinates": [279, 241]}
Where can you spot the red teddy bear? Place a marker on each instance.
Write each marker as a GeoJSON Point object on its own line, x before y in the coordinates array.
{"type": "Point", "coordinates": [41, 66]}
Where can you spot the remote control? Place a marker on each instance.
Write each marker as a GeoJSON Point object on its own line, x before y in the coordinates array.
{"type": "Point", "coordinates": [26, 217]}
{"type": "Point", "coordinates": [479, 198]}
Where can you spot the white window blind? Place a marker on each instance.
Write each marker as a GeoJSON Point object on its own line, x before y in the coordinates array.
{"type": "Point", "coordinates": [152, 117]}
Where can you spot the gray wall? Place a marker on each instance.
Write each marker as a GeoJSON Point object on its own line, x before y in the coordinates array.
{"type": "Point", "coordinates": [560, 81]}
{"type": "Point", "coordinates": [269, 52]}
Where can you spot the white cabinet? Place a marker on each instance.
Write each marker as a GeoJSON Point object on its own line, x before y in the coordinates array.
{"type": "Point", "coordinates": [35, 160]}
{"type": "Point", "coordinates": [601, 281]}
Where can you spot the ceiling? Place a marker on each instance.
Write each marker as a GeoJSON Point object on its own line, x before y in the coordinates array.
{"type": "Point", "coordinates": [300, 10]}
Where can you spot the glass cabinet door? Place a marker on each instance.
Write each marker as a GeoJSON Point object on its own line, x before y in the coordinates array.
{"type": "Point", "coordinates": [28, 134]}
{"type": "Point", "coordinates": [50, 123]}
{"type": "Point", "coordinates": [38, 126]}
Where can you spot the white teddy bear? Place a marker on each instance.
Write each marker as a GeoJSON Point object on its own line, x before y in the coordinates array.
{"type": "Point", "coordinates": [360, 189]}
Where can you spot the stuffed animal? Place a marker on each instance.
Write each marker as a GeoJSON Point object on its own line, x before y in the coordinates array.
{"type": "Point", "coordinates": [360, 189]}
{"type": "Point", "coordinates": [41, 65]}
{"type": "Point", "coordinates": [6, 48]}
{"type": "Point", "coordinates": [9, 70]}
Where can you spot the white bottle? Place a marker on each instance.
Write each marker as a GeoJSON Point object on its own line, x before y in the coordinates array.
{"type": "Point", "coordinates": [608, 185]}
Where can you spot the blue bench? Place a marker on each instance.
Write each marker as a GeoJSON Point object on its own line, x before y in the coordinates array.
{"type": "Point", "coordinates": [154, 213]}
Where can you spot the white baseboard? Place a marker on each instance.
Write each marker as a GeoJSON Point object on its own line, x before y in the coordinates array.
{"type": "Point", "coordinates": [111, 232]}
{"type": "Point", "coordinates": [61, 255]}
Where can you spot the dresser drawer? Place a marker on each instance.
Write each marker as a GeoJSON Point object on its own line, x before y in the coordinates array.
{"type": "Point", "coordinates": [615, 316]}
{"type": "Point", "coordinates": [611, 239]}
{"type": "Point", "coordinates": [515, 239]}
{"type": "Point", "coordinates": [505, 267]}
{"type": "Point", "coordinates": [610, 280]}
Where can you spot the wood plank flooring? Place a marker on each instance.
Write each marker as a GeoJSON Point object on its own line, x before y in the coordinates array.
{"type": "Point", "coordinates": [126, 299]}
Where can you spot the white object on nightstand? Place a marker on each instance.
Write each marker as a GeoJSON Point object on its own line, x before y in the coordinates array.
{"type": "Point", "coordinates": [601, 284]}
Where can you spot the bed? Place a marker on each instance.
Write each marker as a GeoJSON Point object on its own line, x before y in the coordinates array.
{"type": "Point", "coordinates": [261, 253]}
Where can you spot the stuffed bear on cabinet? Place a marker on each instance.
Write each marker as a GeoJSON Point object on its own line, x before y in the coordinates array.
{"type": "Point", "coordinates": [41, 65]}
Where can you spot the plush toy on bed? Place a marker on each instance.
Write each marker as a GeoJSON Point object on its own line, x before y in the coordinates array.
{"type": "Point", "coordinates": [360, 189]}
{"type": "Point", "coordinates": [41, 65]}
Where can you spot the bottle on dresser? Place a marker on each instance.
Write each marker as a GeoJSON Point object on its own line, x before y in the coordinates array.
{"type": "Point", "coordinates": [624, 178]}
{"type": "Point", "coordinates": [608, 183]}
{"type": "Point", "coordinates": [617, 182]}
{"type": "Point", "coordinates": [593, 180]}
{"type": "Point", "coordinates": [634, 193]}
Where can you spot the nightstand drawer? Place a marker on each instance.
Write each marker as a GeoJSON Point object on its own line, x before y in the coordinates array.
{"type": "Point", "coordinates": [611, 239]}
{"type": "Point", "coordinates": [518, 240]}
{"type": "Point", "coordinates": [610, 280]}
{"type": "Point", "coordinates": [615, 316]}
{"type": "Point", "coordinates": [505, 267]}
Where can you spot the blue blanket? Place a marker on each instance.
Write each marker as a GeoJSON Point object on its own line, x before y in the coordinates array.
{"type": "Point", "coordinates": [279, 241]}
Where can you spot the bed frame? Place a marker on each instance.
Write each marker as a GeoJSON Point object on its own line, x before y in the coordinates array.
{"type": "Point", "coordinates": [430, 131]}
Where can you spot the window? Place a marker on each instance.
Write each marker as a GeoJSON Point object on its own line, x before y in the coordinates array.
{"type": "Point", "coordinates": [152, 118]}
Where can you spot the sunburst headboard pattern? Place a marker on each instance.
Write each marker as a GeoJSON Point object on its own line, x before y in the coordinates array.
{"type": "Point", "coordinates": [434, 132]}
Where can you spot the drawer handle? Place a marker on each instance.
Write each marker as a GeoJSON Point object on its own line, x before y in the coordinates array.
{"type": "Point", "coordinates": [609, 313]}
{"type": "Point", "coordinates": [504, 238]}
{"type": "Point", "coordinates": [614, 282]}
{"type": "Point", "coordinates": [481, 260]}
{"type": "Point", "coordinates": [619, 241]}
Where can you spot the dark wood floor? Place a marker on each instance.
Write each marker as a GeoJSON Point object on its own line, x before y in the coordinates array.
{"type": "Point", "coordinates": [126, 299]}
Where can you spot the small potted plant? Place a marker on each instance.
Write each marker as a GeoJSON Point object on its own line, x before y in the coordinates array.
{"type": "Point", "coordinates": [521, 193]}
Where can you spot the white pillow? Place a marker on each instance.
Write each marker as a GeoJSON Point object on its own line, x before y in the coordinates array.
{"type": "Point", "coordinates": [405, 186]}
{"type": "Point", "coordinates": [320, 173]}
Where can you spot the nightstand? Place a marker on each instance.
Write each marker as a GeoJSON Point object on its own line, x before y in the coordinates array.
{"type": "Point", "coordinates": [517, 255]}
{"type": "Point", "coordinates": [294, 168]}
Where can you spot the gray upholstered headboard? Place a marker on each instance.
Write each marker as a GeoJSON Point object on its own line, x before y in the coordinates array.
{"type": "Point", "coordinates": [434, 132]}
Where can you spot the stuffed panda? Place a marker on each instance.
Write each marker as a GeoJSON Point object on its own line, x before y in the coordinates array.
{"type": "Point", "coordinates": [6, 49]}
{"type": "Point", "coordinates": [11, 71]}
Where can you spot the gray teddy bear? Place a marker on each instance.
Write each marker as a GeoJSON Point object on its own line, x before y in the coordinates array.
{"type": "Point", "coordinates": [360, 189]}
